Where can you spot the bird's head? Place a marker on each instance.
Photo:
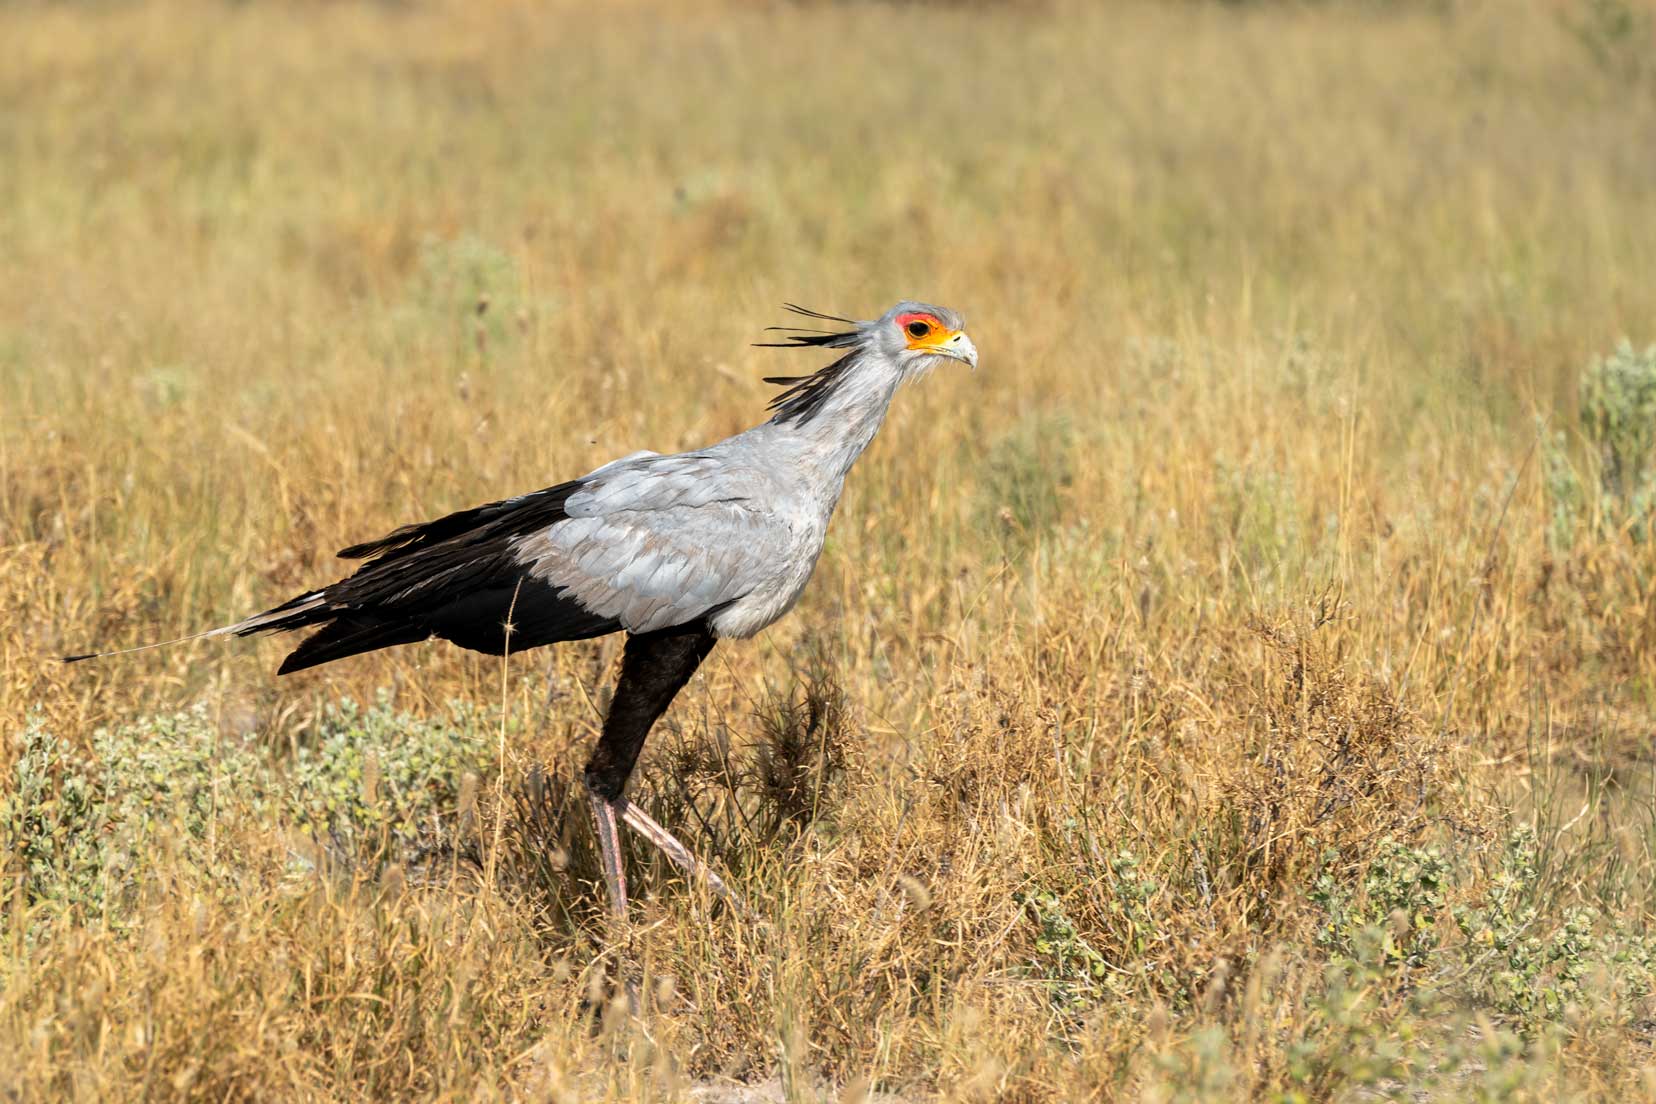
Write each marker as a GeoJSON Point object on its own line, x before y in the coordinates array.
{"type": "Point", "coordinates": [919, 337]}
{"type": "Point", "coordinates": [911, 338]}
{"type": "Point", "coordinates": [912, 335]}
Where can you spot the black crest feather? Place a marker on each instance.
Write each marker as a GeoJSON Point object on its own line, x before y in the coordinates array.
{"type": "Point", "coordinates": [800, 338]}
{"type": "Point", "coordinates": [804, 395]}
{"type": "Point", "coordinates": [809, 313]}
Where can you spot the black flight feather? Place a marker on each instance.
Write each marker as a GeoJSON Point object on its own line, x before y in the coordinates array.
{"type": "Point", "coordinates": [458, 577]}
{"type": "Point", "coordinates": [519, 515]}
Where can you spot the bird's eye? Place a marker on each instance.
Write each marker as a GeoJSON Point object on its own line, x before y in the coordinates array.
{"type": "Point", "coordinates": [919, 329]}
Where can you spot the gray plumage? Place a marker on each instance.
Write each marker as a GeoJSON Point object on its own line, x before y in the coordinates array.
{"type": "Point", "coordinates": [730, 532]}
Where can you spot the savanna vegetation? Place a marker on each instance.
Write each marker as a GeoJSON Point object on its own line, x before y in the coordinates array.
{"type": "Point", "coordinates": [1241, 687]}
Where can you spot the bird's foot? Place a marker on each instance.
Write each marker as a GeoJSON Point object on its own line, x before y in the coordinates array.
{"type": "Point", "coordinates": [604, 812]}
{"type": "Point", "coordinates": [680, 854]}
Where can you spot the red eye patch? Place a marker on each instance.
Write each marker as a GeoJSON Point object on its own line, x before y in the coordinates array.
{"type": "Point", "coordinates": [918, 325]}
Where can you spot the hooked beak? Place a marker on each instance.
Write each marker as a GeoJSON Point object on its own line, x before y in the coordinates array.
{"type": "Point", "coordinates": [959, 347]}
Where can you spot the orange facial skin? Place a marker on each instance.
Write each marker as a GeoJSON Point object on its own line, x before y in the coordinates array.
{"type": "Point", "coordinates": [923, 330]}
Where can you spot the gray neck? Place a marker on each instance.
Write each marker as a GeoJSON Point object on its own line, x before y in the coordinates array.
{"type": "Point", "coordinates": [828, 440]}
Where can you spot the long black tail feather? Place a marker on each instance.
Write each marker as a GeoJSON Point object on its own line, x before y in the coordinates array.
{"type": "Point", "coordinates": [350, 634]}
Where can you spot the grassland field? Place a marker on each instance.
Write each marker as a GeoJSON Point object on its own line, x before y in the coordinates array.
{"type": "Point", "coordinates": [1241, 687]}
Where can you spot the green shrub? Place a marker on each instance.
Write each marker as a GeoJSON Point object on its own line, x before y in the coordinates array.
{"type": "Point", "coordinates": [1076, 973]}
{"type": "Point", "coordinates": [374, 771]}
{"type": "Point", "coordinates": [1618, 415]}
{"type": "Point", "coordinates": [1532, 966]}
{"type": "Point", "coordinates": [53, 823]}
{"type": "Point", "coordinates": [84, 827]}
{"type": "Point", "coordinates": [1401, 893]}
{"type": "Point", "coordinates": [1076, 970]}
{"type": "Point", "coordinates": [1525, 964]}
{"type": "Point", "coordinates": [1618, 427]}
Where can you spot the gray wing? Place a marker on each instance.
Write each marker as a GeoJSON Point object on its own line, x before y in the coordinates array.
{"type": "Point", "coordinates": [659, 541]}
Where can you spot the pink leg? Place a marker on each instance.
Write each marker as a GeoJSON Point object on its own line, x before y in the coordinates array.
{"type": "Point", "coordinates": [680, 854]}
{"type": "Point", "coordinates": [609, 855]}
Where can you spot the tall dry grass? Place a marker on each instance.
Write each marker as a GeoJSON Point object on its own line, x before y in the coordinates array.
{"type": "Point", "coordinates": [1189, 705]}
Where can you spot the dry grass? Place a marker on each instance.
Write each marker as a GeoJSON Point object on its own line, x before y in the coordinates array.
{"type": "Point", "coordinates": [1159, 720]}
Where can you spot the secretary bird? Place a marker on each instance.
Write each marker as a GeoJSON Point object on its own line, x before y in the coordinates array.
{"type": "Point", "coordinates": [675, 551]}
